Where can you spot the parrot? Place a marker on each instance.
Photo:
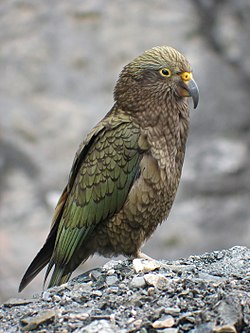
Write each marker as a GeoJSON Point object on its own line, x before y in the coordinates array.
{"type": "Point", "coordinates": [125, 174]}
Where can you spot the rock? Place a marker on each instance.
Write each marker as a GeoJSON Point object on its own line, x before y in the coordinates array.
{"type": "Point", "coordinates": [32, 323]}
{"type": "Point", "coordinates": [157, 280]}
{"type": "Point", "coordinates": [164, 322]}
{"type": "Point", "coordinates": [97, 293]}
{"type": "Point", "coordinates": [145, 265]}
{"type": "Point", "coordinates": [224, 329]}
{"type": "Point", "coordinates": [169, 330]}
{"type": "Point", "coordinates": [46, 296]}
{"type": "Point", "coordinates": [17, 301]}
{"type": "Point", "coordinates": [229, 311]}
{"type": "Point", "coordinates": [172, 311]}
{"type": "Point", "coordinates": [137, 282]}
{"type": "Point", "coordinates": [111, 280]}
{"type": "Point", "coordinates": [193, 302]}
{"type": "Point", "coordinates": [110, 265]}
{"type": "Point", "coordinates": [97, 326]}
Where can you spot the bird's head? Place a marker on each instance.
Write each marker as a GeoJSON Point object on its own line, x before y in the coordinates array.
{"type": "Point", "coordinates": [160, 75]}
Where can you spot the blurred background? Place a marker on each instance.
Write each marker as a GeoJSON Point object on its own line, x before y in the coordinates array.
{"type": "Point", "coordinates": [59, 61]}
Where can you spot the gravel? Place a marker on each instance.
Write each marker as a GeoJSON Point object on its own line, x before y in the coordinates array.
{"type": "Point", "coordinates": [207, 293]}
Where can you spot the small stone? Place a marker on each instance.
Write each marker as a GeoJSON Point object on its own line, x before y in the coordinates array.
{"type": "Point", "coordinates": [172, 311]}
{"type": "Point", "coordinates": [137, 282]}
{"type": "Point", "coordinates": [17, 301]}
{"type": "Point", "coordinates": [46, 296]}
{"type": "Point", "coordinates": [113, 289]}
{"type": "Point", "coordinates": [111, 272]}
{"type": "Point", "coordinates": [220, 255]}
{"type": "Point", "coordinates": [157, 280]}
{"type": "Point", "coordinates": [122, 286]}
{"type": "Point", "coordinates": [165, 322]}
{"type": "Point", "coordinates": [111, 264]}
{"type": "Point", "coordinates": [56, 298]}
{"type": "Point", "coordinates": [151, 291]}
{"type": "Point", "coordinates": [32, 323]}
{"type": "Point", "coordinates": [79, 316]}
{"type": "Point", "coordinates": [182, 268]}
{"type": "Point", "coordinates": [130, 320]}
{"type": "Point", "coordinates": [98, 326]}
{"type": "Point", "coordinates": [97, 293]}
{"type": "Point", "coordinates": [112, 318]}
{"type": "Point", "coordinates": [95, 274]}
{"type": "Point", "coordinates": [137, 323]}
{"type": "Point", "coordinates": [225, 329]}
{"type": "Point", "coordinates": [111, 280]}
{"type": "Point", "coordinates": [145, 265]}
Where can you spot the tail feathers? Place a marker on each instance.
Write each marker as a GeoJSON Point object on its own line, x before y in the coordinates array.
{"type": "Point", "coordinates": [44, 255]}
{"type": "Point", "coordinates": [61, 274]}
{"type": "Point", "coordinates": [38, 263]}
{"type": "Point", "coordinates": [58, 277]}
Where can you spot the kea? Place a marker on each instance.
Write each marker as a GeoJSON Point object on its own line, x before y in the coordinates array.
{"type": "Point", "coordinates": [126, 173]}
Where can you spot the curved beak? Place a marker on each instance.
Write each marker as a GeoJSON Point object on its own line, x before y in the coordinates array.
{"type": "Point", "coordinates": [193, 91]}
{"type": "Point", "coordinates": [190, 89]}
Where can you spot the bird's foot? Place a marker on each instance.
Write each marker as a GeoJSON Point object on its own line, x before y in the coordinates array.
{"type": "Point", "coordinates": [141, 255]}
{"type": "Point", "coordinates": [145, 265]}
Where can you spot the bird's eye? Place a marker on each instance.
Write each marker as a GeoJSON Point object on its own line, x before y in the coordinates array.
{"type": "Point", "coordinates": [165, 72]}
{"type": "Point", "coordinates": [186, 76]}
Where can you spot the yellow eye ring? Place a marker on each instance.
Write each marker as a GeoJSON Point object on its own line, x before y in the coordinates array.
{"type": "Point", "coordinates": [165, 72]}
{"type": "Point", "coordinates": [186, 76]}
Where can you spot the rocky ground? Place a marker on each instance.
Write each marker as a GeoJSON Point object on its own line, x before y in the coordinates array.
{"type": "Point", "coordinates": [59, 61]}
{"type": "Point", "coordinates": [201, 294]}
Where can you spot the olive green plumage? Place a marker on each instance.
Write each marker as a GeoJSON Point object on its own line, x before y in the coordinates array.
{"type": "Point", "coordinates": [125, 175]}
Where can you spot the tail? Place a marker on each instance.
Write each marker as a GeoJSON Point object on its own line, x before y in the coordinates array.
{"type": "Point", "coordinates": [38, 263]}
{"type": "Point", "coordinates": [58, 277]}
{"type": "Point", "coordinates": [44, 256]}
{"type": "Point", "coordinates": [61, 274]}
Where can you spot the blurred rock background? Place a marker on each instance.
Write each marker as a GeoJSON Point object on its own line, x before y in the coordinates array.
{"type": "Point", "coordinates": [59, 61]}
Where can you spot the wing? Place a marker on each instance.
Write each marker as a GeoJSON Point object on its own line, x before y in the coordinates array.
{"type": "Point", "coordinates": [43, 257]}
{"type": "Point", "coordinates": [99, 185]}
{"type": "Point", "coordinates": [103, 171]}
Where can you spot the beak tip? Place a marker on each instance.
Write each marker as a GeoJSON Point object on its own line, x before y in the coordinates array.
{"type": "Point", "coordinates": [194, 92]}
{"type": "Point", "coordinates": [196, 102]}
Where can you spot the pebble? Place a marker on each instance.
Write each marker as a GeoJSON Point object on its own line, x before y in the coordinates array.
{"type": "Point", "coordinates": [111, 280]}
{"type": "Point", "coordinates": [18, 301]}
{"type": "Point", "coordinates": [137, 282]}
{"type": "Point", "coordinates": [172, 311]}
{"type": "Point", "coordinates": [46, 296]}
{"type": "Point", "coordinates": [97, 293]}
{"type": "Point", "coordinates": [165, 322]}
{"type": "Point", "coordinates": [32, 323]}
{"type": "Point", "coordinates": [137, 323]}
{"type": "Point", "coordinates": [111, 264]}
{"type": "Point", "coordinates": [145, 265]}
{"type": "Point", "coordinates": [170, 330]}
{"type": "Point", "coordinates": [56, 298]}
{"type": "Point", "coordinates": [151, 291]}
{"type": "Point", "coordinates": [157, 280]}
{"type": "Point", "coordinates": [95, 274]}
{"type": "Point", "coordinates": [79, 316]}
{"type": "Point", "coordinates": [165, 304]}
{"type": "Point", "coordinates": [97, 326]}
{"type": "Point", "coordinates": [111, 272]}
{"type": "Point", "coordinates": [225, 329]}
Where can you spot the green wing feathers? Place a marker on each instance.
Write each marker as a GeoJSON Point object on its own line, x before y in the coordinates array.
{"type": "Point", "coordinates": [102, 174]}
{"type": "Point", "coordinates": [99, 189]}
